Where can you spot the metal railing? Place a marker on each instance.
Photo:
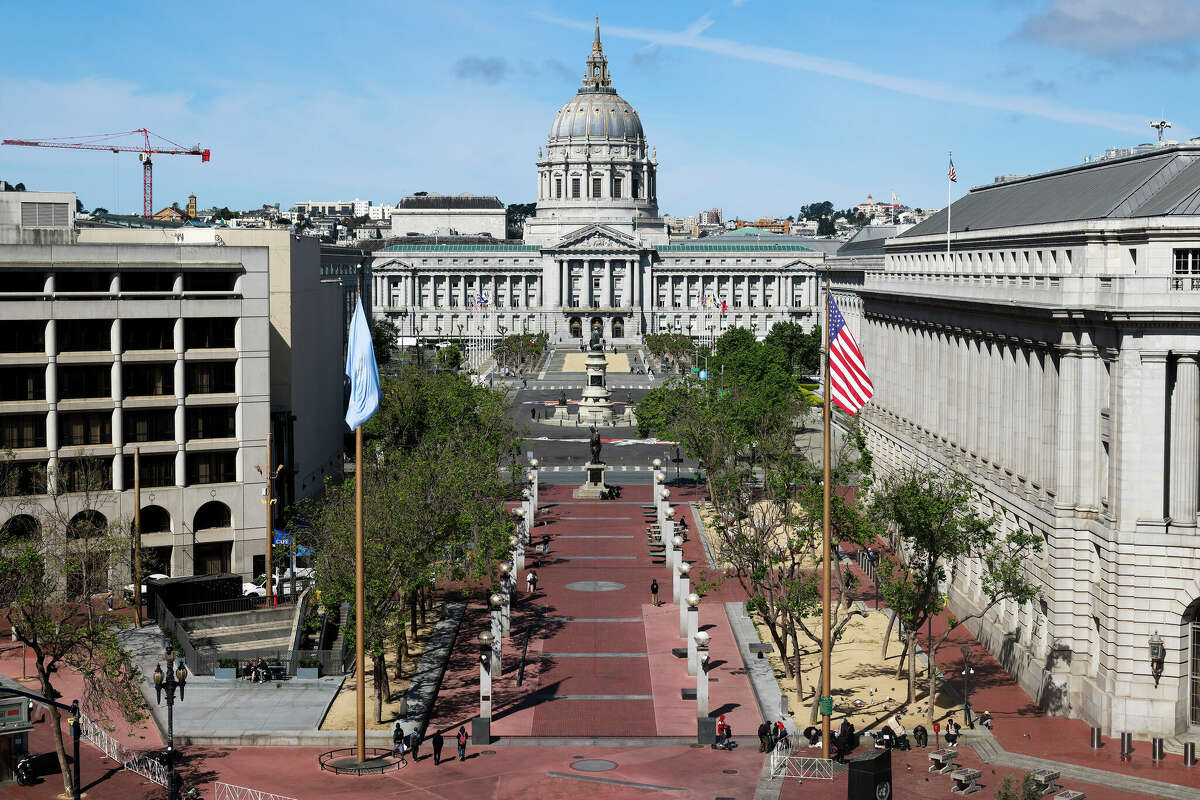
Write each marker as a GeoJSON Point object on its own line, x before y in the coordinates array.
{"type": "Point", "coordinates": [289, 660]}
{"type": "Point", "coordinates": [145, 765]}
{"type": "Point", "coordinates": [170, 627]}
{"type": "Point", "coordinates": [786, 765]}
{"type": "Point", "coordinates": [236, 604]}
{"type": "Point", "coordinates": [228, 791]}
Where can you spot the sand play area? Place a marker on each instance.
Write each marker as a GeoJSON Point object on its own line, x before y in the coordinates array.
{"type": "Point", "coordinates": [342, 712]}
{"type": "Point", "coordinates": [617, 362]}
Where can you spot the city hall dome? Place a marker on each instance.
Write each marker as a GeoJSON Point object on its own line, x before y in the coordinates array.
{"type": "Point", "coordinates": [596, 111]}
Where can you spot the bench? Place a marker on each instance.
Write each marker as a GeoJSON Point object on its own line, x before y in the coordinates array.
{"type": "Point", "coordinates": [943, 760]}
{"type": "Point", "coordinates": [761, 648]}
{"type": "Point", "coordinates": [1045, 779]}
{"type": "Point", "coordinates": [965, 780]}
{"type": "Point", "coordinates": [679, 652]}
{"type": "Point", "coordinates": [1070, 794]}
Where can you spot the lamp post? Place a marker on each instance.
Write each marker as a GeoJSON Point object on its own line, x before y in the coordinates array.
{"type": "Point", "coordinates": [481, 728]}
{"type": "Point", "coordinates": [676, 561]}
{"type": "Point", "coordinates": [506, 591]}
{"type": "Point", "coordinates": [174, 678]}
{"type": "Point", "coordinates": [700, 640]}
{"type": "Point", "coordinates": [668, 527]}
{"type": "Point", "coordinates": [684, 573]}
{"type": "Point", "coordinates": [656, 464]}
{"type": "Point", "coordinates": [693, 624]}
{"type": "Point", "coordinates": [967, 672]}
{"type": "Point", "coordinates": [527, 499]}
{"type": "Point", "coordinates": [661, 502]}
{"type": "Point", "coordinates": [1158, 657]}
{"type": "Point", "coordinates": [534, 484]}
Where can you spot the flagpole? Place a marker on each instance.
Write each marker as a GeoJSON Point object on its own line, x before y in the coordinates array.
{"type": "Point", "coordinates": [948, 181]}
{"type": "Point", "coordinates": [360, 684]}
{"type": "Point", "coordinates": [826, 583]}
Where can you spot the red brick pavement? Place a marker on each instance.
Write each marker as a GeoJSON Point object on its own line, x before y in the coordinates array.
{"type": "Point", "coordinates": [647, 667]}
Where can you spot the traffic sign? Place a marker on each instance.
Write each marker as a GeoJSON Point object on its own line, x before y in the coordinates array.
{"type": "Point", "coordinates": [826, 706]}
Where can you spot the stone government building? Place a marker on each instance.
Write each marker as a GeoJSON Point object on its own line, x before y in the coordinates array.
{"type": "Point", "coordinates": [1056, 356]}
{"type": "Point", "coordinates": [596, 254]}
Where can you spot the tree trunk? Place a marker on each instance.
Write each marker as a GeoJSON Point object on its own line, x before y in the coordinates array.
{"type": "Point", "coordinates": [376, 671]}
{"type": "Point", "coordinates": [780, 644]}
{"type": "Point", "coordinates": [887, 636]}
{"type": "Point", "coordinates": [56, 726]}
{"type": "Point", "coordinates": [903, 653]}
{"type": "Point", "coordinates": [797, 670]}
{"type": "Point", "coordinates": [412, 613]}
{"type": "Point", "coordinates": [816, 701]}
{"type": "Point", "coordinates": [932, 687]}
{"type": "Point", "coordinates": [400, 656]}
{"type": "Point", "coordinates": [912, 668]}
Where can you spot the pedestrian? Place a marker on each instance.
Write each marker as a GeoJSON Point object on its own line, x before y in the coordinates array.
{"type": "Point", "coordinates": [414, 743]}
{"type": "Point", "coordinates": [781, 737]}
{"type": "Point", "coordinates": [531, 582]}
{"type": "Point", "coordinates": [438, 741]}
{"type": "Point", "coordinates": [461, 740]}
{"type": "Point", "coordinates": [764, 737]}
{"type": "Point", "coordinates": [951, 732]}
{"type": "Point", "coordinates": [654, 591]}
{"type": "Point", "coordinates": [533, 413]}
{"type": "Point", "coordinates": [546, 544]}
{"type": "Point", "coordinates": [397, 738]}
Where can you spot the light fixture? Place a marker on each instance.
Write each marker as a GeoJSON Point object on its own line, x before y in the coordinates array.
{"type": "Point", "coordinates": [664, 493]}
{"type": "Point", "coordinates": [656, 463]}
{"type": "Point", "coordinates": [670, 512]}
{"type": "Point", "coordinates": [684, 569]}
{"type": "Point", "coordinates": [693, 600]}
{"type": "Point", "coordinates": [702, 638]}
{"type": "Point", "coordinates": [533, 463]}
{"type": "Point", "coordinates": [660, 477]}
{"type": "Point", "coordinates": [496, 601]}
{"type": "Point", "coordinates": [486, 639]}
{"type": "Point", "coordinates": [1158, 657]}
{"type": "Point", "coordinates": [677, 542]}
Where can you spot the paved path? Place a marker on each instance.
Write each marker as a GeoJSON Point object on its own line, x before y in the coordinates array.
{"type": "Point", "coordinates": [599, 658]}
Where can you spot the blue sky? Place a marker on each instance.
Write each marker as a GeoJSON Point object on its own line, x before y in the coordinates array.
{"type": "Point", "coordinates": [756, 107]}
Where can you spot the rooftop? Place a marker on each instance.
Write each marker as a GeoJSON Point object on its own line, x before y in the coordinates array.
{"type": "Point", "coordinates": [450, 201]}
{"type": "Point", "coordinates": [1161, 182]}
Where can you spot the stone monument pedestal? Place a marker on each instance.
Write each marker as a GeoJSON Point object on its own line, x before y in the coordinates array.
{"type": "Point", "coordinates": [593, 487]}
{"type": "Point", "coordinates": [560, 412]}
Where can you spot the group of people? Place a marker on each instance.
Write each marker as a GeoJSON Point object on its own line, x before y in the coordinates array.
{"type": "Point", "coordinates": [772, 736]}
{"type": "Point", "coordinates": [409, 744]}
{"type": "Point", "coordinates": [257, 670]}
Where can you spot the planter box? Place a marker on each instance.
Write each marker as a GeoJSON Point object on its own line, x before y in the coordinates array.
{"type": "Point", "coordinates": [308, 673]}
{"type": "Point", "coordinates": [225, 672]}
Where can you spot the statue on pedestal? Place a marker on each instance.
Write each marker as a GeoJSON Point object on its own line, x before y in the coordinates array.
{"type": "Point", "coordinates": [595, 442]}
{"type": "Point", "coordinates": [596, 345]}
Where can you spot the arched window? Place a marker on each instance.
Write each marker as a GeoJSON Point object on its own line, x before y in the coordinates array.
{"type": "Point", "coordinates": [212, 515]}
{"type": "Point", "coordinates": [618, 328]}
{"type": "Point", "coordinates": [20, 528]}
{"type": "Point", "coordinates": [1191, 620]}
{"type": "Point", "coordinates": [87, 523]}
{"type": "Point", "coordinates": [576, 327]}
{"type": "Point", "coordinates": [155, 519]}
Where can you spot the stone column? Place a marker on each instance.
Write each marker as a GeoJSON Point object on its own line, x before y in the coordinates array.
{"type": "Point", "coordinates": [1185, 439]}
{"type": "Point", "coordinates": [1068, 427]}
{"type": "Point", "coordinates": [693, 615]}
{"type": "Point", "coordinates": [629, 284]}
{"type": "Point", "coordinates": [606, 284]}
{"type": "Point", "coordinates": [685, 584]}
{"type": "Point", "coordinates": [585, 290]}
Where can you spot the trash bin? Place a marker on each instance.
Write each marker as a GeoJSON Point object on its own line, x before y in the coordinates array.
{"type": "Point", "coordinates": [870, 776]}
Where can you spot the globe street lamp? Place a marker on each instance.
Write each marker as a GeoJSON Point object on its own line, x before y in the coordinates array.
{"type": "Point", "coordinates": [481, 727]}
{"type": "Point", "coordinates": [676, 560]}
{"type": "Point", "coordinates": [507, 584]}
{"type": "Point", "coordinates": [967, 672]}
{"type": "Point", "coordinates": [693, 624]}
{"type": "Point", "coordinates": [700, 640]}
{"type": "Point", "coordinates": [684, 576]}
{"type": "Point", "coordinates": [1158, 657]}
{"type": "Point", "coordinates": [174, 678]}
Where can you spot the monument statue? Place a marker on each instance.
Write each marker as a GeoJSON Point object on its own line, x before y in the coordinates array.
{"type": "Point", "coordinates": [596, 345]}
{"type": "Point", "coordinates": [562, 397]}
{"type": "Point", "coordinates": [595, 441]}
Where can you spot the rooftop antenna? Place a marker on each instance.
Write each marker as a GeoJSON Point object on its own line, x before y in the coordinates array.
{"type": "Point", "coordinates": [1160, 126]}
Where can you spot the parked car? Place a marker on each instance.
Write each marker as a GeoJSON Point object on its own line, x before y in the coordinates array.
{"type": "Point", "coordinates": [256, 589]}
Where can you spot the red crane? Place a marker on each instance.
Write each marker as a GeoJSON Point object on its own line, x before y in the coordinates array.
{"type": "Point", "coordinates": [104, 141]}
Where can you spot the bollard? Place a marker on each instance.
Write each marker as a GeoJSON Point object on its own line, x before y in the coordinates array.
{"type": "Point", "coordinates": [1189, 754]}
{"type": "Point", "coordinates": [1156, 749]}
{"type": "Point", "coordinates": [1126, 744]}
{"type": "Point", "coordinates": [1097, 742]}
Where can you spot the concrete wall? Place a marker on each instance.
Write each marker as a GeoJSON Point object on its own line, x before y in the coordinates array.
{"type": "Point", "coordinates": [466, 221]}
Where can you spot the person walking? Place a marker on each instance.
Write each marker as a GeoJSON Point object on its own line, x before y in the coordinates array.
{"type": "Point", "coordinates": [438, 741]}
{"type": "Point", "coordinates": [764, 737]}
{"type": "Point", "coordinates": [654, 591]}
{"type": "Point", "coordinates": [397, 738]}
{"type": "Point", "coordinates": [461, 741]}
{"type": "Point", "coordinates": [531, 582]}
{"type": "Point", "coordinates": [414, 742]}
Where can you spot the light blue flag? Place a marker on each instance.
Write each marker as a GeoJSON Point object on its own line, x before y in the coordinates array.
{"type": "Point", "coordinates": [362, 371]}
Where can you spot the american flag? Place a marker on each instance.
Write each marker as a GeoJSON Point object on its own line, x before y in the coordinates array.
{"type": "Point", "coordinates": [849, 386]}
{"type": "Point", "coordinates": [953, 177]}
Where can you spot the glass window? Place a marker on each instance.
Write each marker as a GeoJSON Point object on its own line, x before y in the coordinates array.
{"type": "Point", "coordinates": [616, 187]}
{"type": "Point", "coordinates": [156, 425]}
{"type": "Point", "coordinates": [574, 188]}
{"type": "Point", "coordinates": [22, 383]}
{"type": "Point", "coordinates": [595, 187]}
{"type": "Point", "coordinates": [211, 422]}
{"type": "Point", "coordinates": [1187, 262]}
{"type": "Point", "coordinates": [84, 381]}
{"type": "Point", "coordinates": [148, 334]}
{"type": "Point", "coordinates": [216, 467]}
{"type": "Point", "coordinates": [558, 188]}
{"type": "Point", "coordinates": [84, 335]}
{"type": "Point", "coordinates": [84, 428]}
{"type": "Point", "coordinates": [149, 380]}
{"type": "Point", "coordinates": [22, 430]}
{"type": "Point", "coordinates": [23, 336]}
{"type": "Point", "coordinates": [155, 470]}
{"type": "Point", "coordinates": [210, 378]}
{"type": "Point", "coordinates": [213, 332]}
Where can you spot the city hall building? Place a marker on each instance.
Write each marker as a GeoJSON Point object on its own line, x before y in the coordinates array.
{"type": "Point", "coordinates": [596, 254]}
{"type": "Point", "coordinates": [1052, 353]}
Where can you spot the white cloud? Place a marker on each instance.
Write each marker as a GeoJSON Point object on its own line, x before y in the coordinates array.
{"type": "Point", "coordinates": [1114, 27]}
{"type": "Point", "coordinates": [930, 90]}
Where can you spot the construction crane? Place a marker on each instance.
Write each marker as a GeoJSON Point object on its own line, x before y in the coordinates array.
{"type": "Point", "coordinates": [104, 141]}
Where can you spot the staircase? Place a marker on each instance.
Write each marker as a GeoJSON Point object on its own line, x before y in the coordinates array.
{"type": "Point", "coordinates": [262, 629]}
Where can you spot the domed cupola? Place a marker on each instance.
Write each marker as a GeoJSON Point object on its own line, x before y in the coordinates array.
{"type": "Point", "coordinates": [596, 166]}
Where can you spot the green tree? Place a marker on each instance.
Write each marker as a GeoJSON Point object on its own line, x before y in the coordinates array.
{"type": "Point", "coordinates": [515, 216]}
{"type": "Point", "coordinates": [937, 526]}
{"type": "Point", "coordinates": [434, 511]}
{"type": "Point", "coordinates": [385, 337]}
{"type": "Point", "coordinates": [53, 570]}
{"type": "Point", "coordinates": [803, 348]}
{"type": "Point", "coordinates": [99, 212]}
{"type": "Point", "coordinates": [450, 357]}
{"type": "Point", "coordinates": [825, 227]}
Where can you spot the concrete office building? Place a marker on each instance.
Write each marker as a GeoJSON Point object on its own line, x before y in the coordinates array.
{"type": "Point", "coordinates": [1053, 355]}
{"type": "Point", "coordinates": [596, 255]}
{"type": "Point", "coordinates": [137, 339]}
{"type": "Point", "coordinates": [449, 215]}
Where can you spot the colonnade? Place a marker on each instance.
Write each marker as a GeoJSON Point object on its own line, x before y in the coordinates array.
{"type": "Point", "coordinates": [457, 289]}
{"type": "Point", "coordinates": [618, 288]}
{"type": "Point", "coordinates": [738, 290]}
{"type": "Point", "coordinates": [992, 397]}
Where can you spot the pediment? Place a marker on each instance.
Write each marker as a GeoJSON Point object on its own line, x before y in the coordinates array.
{"type": "Point", "coordinates": [390, 265]}
{"type": "Point", "coordinates": [595, 238]}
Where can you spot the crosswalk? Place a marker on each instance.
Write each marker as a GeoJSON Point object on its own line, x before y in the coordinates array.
{"type": "Point", "coordinates": [611, 468]}
{"type": "Point", "coordinates": [578, 386]}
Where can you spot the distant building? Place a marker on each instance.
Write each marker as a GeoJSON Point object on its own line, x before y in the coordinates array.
{"type": "Point", "coordinates": [710, 217]}
{"type": "Point", "coordinates": [772, 224]}
{"type": "Point", "coordinates": [448, 215]}
{"type": "Point", "coordinates": [331, 208]}
{"type": "Point", "coordinates": [381, 213]}
{"type": "Point", "coordinates": [170, 214]}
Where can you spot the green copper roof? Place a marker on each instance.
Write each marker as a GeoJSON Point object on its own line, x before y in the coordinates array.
{"type": "Point", "coordinates": [711, 247]}
{"type": "Point", "coordinates": [476, 248]}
